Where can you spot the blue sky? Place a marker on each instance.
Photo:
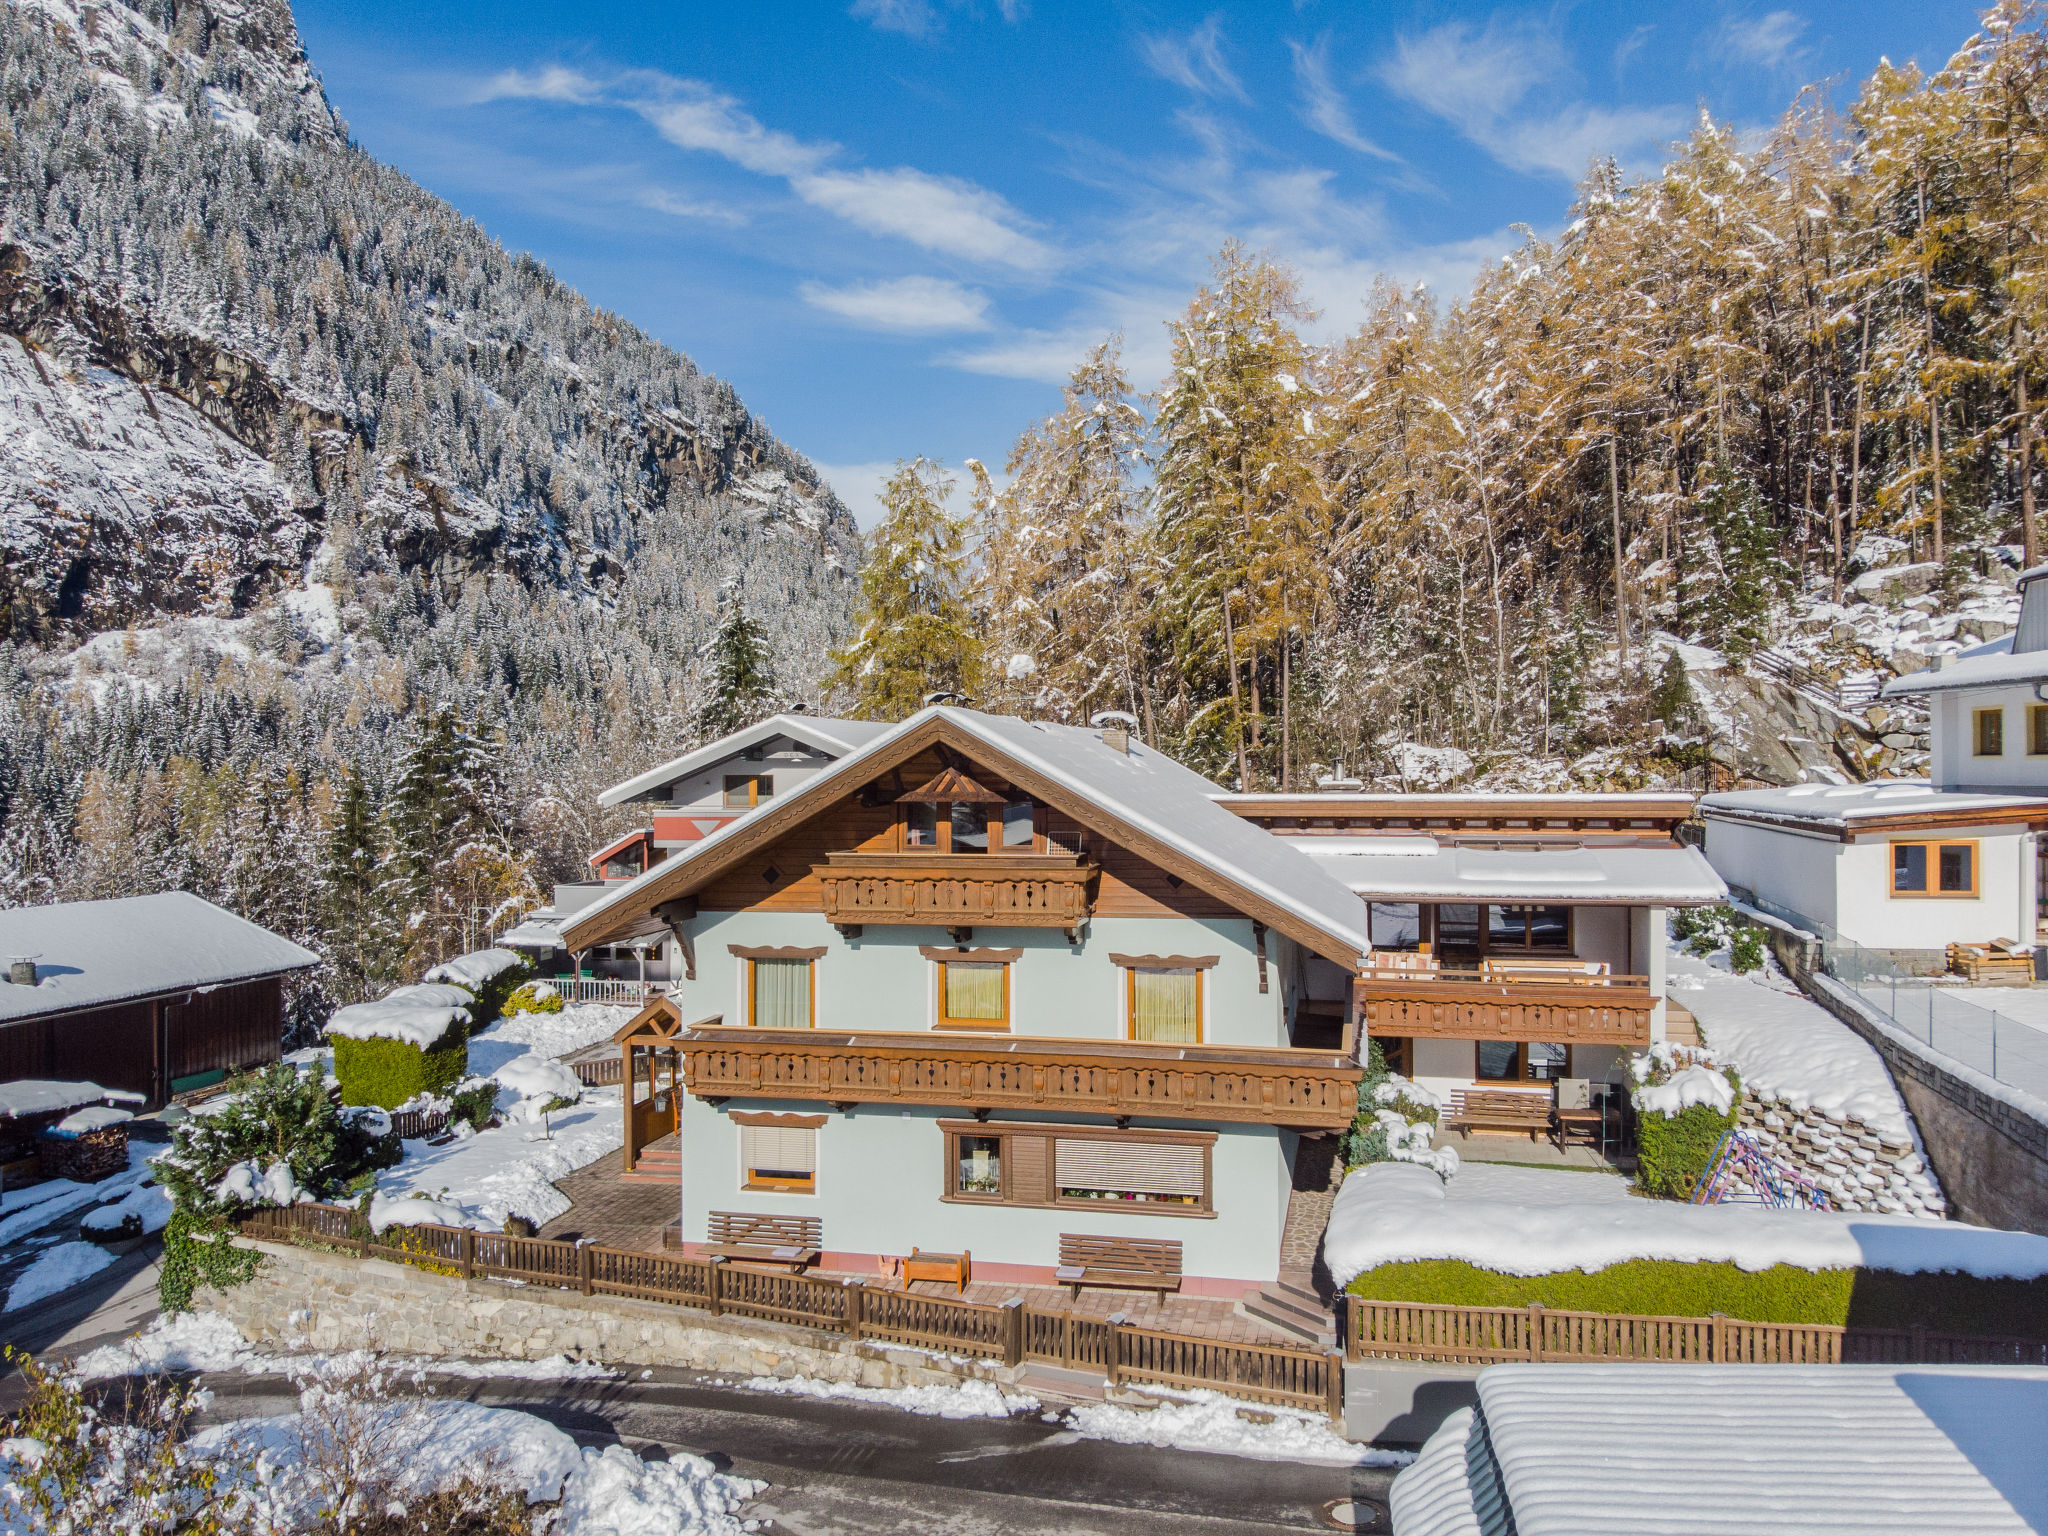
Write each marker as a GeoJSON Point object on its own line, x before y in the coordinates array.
{"type": "Point", "coordinates": [894, 225]}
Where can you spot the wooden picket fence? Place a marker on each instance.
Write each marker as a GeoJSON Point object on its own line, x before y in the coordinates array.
{"type": "Point", "coordinates": [1011, 1333]}
{"type": "Point", "coordinates": [1407, 1330]}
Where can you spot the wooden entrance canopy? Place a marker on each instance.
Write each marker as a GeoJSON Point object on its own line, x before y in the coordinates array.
{"type": "Point", "coordinates": [650, 1035]}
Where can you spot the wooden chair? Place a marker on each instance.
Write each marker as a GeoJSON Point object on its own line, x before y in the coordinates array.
{"type": "Point", "coordinates": [956, 1267]}
{"type": "Point", "coordinates": [1498, 1109]}
{"type": "Point", "coordinates": [1127, 1263]}
{"type": "Point", "coordinates": [793, 1242]}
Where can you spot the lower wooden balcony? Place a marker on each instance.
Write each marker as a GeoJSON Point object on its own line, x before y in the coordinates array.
{"type": "Point", "coordinates": [1307, 1090]}
{"type": "Point", "coordinates": [1591, 1010]}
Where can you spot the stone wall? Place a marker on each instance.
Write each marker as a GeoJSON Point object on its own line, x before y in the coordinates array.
{"type": "Point", "coordinates": [303, 1298]}
{"type": "Point", "coordinates": [1859, 1170]}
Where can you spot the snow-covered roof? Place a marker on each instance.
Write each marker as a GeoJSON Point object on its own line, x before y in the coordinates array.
{"type": "Point", "coordinates": [1389, 1213]}
{"type": "Point", "coordinates": [533, 932]}
{"type": "Point", "coordinates": [834, 738]}
{"type": "Point", "coordinates": [1142, 788]}
{"type": "Point", "coordinates": [91, 953]}
{"type": "Point", "coordinates": [1842, 805]}
{"type": "Point", "coordinates": [1990, 665]}
{"type": "Point", "coordinates": [42, 1096]}
{"type": "Point", "coordinates": [1658, 1449]}
{"type": "Point", "coordinates": [1419, 868]}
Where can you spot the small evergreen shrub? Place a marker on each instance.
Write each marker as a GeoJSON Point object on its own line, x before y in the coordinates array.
{"type": "Point", "coordinates": [388, 1072]}
{"type": "Point", "coordinates": [531, 997]}
{"type": "Point", "coordinates": [1746, 950]}
{"type": "Point", "coordinates": [1705, 929]}
{"type": "Point", "coordinates": [477, 1102]}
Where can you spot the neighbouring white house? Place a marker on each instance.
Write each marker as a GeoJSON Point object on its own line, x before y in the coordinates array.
{"type": "Point", "coordinates": [1908, 867]}
{"type": "Point", "coordinates": [994, 985]}
{"type": "Point", "coordinates": [686, 800]}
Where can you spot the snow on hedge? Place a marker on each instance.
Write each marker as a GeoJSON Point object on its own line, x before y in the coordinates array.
{"type": "Point", "coordinates": [474, 969]}
{"type": "Point", "coordinates": [149, 1206]}
{"type": "Point", "coordinates": [1789, 1049]}
{"type": "Point", "coordinates": [1689, 1086]}
{"type": "Point", "coordinates": [1393, 1212]}
{"type": "Point", "coordinates": [419, 1015]}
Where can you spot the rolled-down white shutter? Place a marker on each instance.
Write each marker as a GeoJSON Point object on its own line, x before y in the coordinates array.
{"type": "Point", "coordinates": [1140, 1167]}
{"type": "Point", "coordinates": [779, 1148]}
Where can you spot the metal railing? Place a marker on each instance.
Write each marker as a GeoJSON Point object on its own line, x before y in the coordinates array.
{"type": "Point", "coordinates": [2007, 1049]}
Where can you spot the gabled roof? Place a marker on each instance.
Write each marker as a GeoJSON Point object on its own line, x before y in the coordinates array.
{"type": "Point", "coordinates": [1880, 805]}
{"type": "Point", "coordinates": [634, 836]}
{"type": "Point", "coordinates": [1142, 800]}
{"type": "Point", "coordinates": [1420, 869]}
{"type": "Point", "coordinates": [1990, 665]}
{"type": "Point", "coordinates": [92, 953]}
{"type": "Point", "coordinates": [835, 738]}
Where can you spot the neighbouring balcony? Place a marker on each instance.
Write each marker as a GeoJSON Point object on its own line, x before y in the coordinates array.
{"type": "Point", "coordinates": [958, 890]}
{"type": "Point", "coordinates": [1452, 1005]}
{"type": "Point", "coordinates": [1311, 1090]}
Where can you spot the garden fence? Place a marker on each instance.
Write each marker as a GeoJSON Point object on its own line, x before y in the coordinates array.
{"type": "Point", "coordinates": [1011, 1332]}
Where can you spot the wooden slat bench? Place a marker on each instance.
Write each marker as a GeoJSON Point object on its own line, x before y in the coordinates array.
{"type": "Point", "coordinates": [791, 1241]}
{"type": "Point", "coordinates": [1127, 1263]}
{"type": "Point", "coordinates": [1991, 965]}
{"type": "Point", "coordinates": [1503, 1109]}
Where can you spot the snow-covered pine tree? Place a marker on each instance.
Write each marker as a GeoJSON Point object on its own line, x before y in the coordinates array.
{"type": "Point", "coordinates": [740, 685]}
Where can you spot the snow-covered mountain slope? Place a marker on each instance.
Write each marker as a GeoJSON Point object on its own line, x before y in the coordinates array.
{"type": "Point", "coordinates": [230, 339]}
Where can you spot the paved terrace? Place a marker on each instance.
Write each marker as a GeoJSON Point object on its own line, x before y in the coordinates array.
{"type": "Point", "coordinates": [620, 1214]}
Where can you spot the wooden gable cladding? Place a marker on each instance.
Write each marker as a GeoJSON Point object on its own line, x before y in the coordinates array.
{"type": "Point", "coordinates": [769, 859]}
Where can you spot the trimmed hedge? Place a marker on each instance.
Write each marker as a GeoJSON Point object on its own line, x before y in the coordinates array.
{"type": "Point", "coordinates": [1784, 1293]}
{"type": "Point", "coordinates": [1672, 1150]}
{"type": "Point", "coordinates": [491, 996]}
{"type": "Point", "coordinates": [388, 1072]}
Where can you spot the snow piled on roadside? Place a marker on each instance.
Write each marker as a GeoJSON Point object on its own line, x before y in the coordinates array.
{"type": "Point", "coordinates": [57, 1271]}
{"type": "Point", "coordinates": [1391, 1212]}
{"type": "Point", "coordinates": [1210, 1421]}
{"type": "Point", "coordinates": [22, 1211]}
{"type": "Point", "coordinates": [199, 1342]}
{"type": "Point", "coordinates": [969, 1400]}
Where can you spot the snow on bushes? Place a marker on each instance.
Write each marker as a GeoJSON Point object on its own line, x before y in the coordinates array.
{"type": "Point", "coordinates": [534, 997]}
{"type": "Point", "coordinates": [1704, 930]}
{"type": "Point", "coordinates": [540, 1079]}
{"type": "Point", "coordinates": [387, 1071]}
{"type": "Point", "coordinates": [1396, 1121]}
{"type": "Point", "coordinates": [492, 975]}
{"type": "Point", "coordinates": [1685, 1103]}
{"type": "Point", "coordinates": [420, 1015]}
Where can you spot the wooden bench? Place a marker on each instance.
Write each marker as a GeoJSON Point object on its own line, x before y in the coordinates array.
{"type": "Point", "coordinates": [1502, 1109]}
{"type": "Point", "coordinates": [954, 1268]}
{"type": "Point", "coordinates": [790, 1241]}
{"type": "Point", "coordinates": [1534, 968]}
{"type": "Point", "coordinates": [1127, 1263]}
{"type": "Point", "coordinates": [1991, 965]}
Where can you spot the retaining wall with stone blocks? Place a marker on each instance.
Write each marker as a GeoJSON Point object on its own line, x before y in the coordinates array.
{"type": "Point", "coordinates": [301, 1298]}
{"type": "Point", "coordinates": [1859, 1170]}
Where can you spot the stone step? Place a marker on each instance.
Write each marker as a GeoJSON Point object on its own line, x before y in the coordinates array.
{"type": "Point", "coordinates": [1284, 1309]}
{"type": "Point", "coordinates": [1054, 1383]}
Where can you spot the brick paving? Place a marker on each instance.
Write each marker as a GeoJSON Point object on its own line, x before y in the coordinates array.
{"type": "Point", "coordinates": [1205, 1317]}
{"type": "Point", "coordinates": [606, 1209]}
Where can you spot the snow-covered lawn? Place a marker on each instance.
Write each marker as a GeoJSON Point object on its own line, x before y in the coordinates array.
{"type": "Point", "coordinates": [1535, 1186]}
{"type": "Point", "coordinates": [510, 1169]}
{"type": "Point", "coordinates": [545, 1034]}
{"type": "Point", "coordinates": [1786, 1046]}
{"type": "Point", "coordinates": [1392, 1212]}
{"type": "Point", "coordinates": [1704, 1450]}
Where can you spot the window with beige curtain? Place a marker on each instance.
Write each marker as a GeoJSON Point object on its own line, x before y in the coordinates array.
{"type": "Point", "coordinates": [974, 993]}
{"type": "Point", "coordinates": [1166, 1005]}
{"type": "Point", "coordinates": [782, 994]}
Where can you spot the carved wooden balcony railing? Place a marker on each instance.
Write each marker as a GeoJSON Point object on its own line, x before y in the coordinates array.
{"type": "Point", "coordinates": [1584, 1010]}
{"type": "Point", "coordinates": [1312, 1090]}
{"type": "Point", "coordinates": [958, 890]}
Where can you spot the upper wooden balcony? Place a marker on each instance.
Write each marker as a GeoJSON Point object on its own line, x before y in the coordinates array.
{"type": "Point", "coordinates": [1310, 1090]}
{"type": "Point", "coordinates": [1467, 1005]}
{"type": "Point", "coordinates": [958, 890]}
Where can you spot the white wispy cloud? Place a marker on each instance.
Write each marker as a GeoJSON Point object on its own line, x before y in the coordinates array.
{"type": "Point", "coordinates": [701, 118]}
{"type": "Point", "coordinates": [913, 18]}
{"type": "Point", "coordinates": [1480, 82]}
{"type": "Point", "coordinates": [551, 82]}
{"type": "Point", "coordinates": [1770, 41]}
{"type": "Point", "coordinates": [939, 213]}
{"type": "Point", "coordinates": [1194, 61]}
{"type": "Point", "coordinates": [927, 305]}
{"type": "Point", "coordinates": [662, 200]}
{"type": "Point", "coordinates": [1323, 106]}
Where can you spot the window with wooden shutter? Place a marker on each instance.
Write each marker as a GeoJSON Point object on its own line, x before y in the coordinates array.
{"type": "Point", "coordinates": [1131, 1171]}
{"type": "Point", "coordinates": [1030, 1170]}
{"type": "Point", "coordinates": [780, 1157]}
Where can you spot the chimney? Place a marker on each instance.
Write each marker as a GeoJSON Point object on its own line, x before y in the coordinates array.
{"type": "Point", "coordinates": [1116, 727]}
{"type": "Point", "coordinates": [22, 971]}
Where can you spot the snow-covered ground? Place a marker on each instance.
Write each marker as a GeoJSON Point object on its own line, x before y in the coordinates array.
{"type": "Point", "coordinates": [1787, 1047]}
{"type": "Point", "coordinates": [969, 1400]}
{"type": "Point", "coordinates": [1535, 1186]}
{"type": "Point", "coordinates": [1391, 1212]}
{"type": "Point", "coordinates": [199, 1342]}
{"type": "Point", "coordinates": [1706, 1450]}
{"type": "Point", "coordinates": [1225, 1426]}
{"type": "Point", "coordinates": [511, 1169]}
{"type": "Point", "coordinates": [545, 1034]}
{"type": "Point", "coordinates": [56, 1270]}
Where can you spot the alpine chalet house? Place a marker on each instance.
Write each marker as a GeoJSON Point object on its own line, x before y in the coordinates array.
{"type": "Point", "coordinates": [1910, 867]}
{"type": "Point", "coordinates": [153, 995]}
{"type": "Point", "coordinates": [687, 800]}
{"type": "Point", "coordinates": [983, 986]}
{"type": "Point", "coordinates": [1516, 940]}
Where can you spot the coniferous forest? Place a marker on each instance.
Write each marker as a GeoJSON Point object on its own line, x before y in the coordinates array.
{"type": "Point", "coordinates": [472, 550]}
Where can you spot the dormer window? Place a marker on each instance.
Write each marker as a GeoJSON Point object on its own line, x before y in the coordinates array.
{"type": "Point", "coordinates": [954, 814]}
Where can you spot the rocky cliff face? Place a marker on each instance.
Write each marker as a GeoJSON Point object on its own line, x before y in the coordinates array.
{"type": "Point", "coordinates": [231, 343]}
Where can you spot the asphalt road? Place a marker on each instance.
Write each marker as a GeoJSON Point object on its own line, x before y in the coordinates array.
{"type": "Point", "coordinates": [839, 1468]}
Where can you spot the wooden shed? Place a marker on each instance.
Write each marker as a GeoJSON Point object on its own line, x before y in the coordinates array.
{"type": "Point", "coordinates": [152, 994]}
